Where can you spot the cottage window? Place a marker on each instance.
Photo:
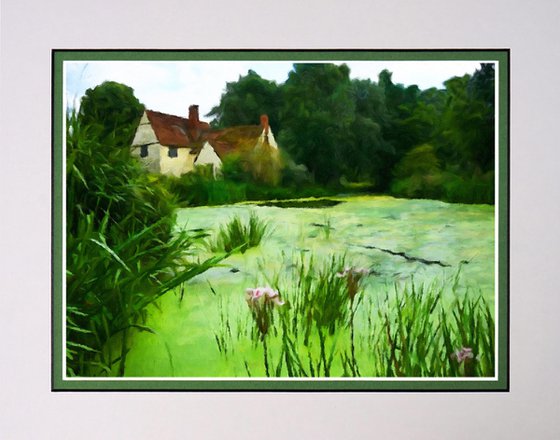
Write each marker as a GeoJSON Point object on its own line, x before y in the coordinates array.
{"type": "Point", "coordinates": [143, 151]}
{"type": "Point", "coordinates": [172, 152]}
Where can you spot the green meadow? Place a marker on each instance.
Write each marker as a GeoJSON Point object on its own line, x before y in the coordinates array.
{"type": "Point", "coordinates": [428, 294]}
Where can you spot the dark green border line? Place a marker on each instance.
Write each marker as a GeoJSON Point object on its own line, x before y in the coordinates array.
{"type": "Point", "coordinates": [57, 219]}
{"type": "Point", "coordinates": [502, 56]}
{"type": "Point", "coordinates": [333, 385]}
{"type": "Point", "coordinates": [279, 55]}
{"type": "Point", "coordinates": [504, 209]}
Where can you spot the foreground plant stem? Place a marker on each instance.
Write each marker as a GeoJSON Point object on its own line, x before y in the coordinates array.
{"type": "Point", "coordinates": [393, 348]}
{"type": "Point", "coordinates": [265, 349]}
{"type": "Point", "coordinates": [123, 352]}
{"type": "Point", "coordinates": [323, 353]}
{"type": "Point", "coordinates": [355, 368]}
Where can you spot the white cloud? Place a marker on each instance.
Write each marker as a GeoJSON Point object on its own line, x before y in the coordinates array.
{"type": "Point", "coordinates": [171, 86]}
{"type": "Point", "coordinates": [168, 86]}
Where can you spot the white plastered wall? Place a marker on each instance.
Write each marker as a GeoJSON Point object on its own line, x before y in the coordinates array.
{"type": "Point", "coordinates": [145, 135]}
{"type": "Point", "coordinates": [183, 163]}
{"type": "Point", "coordinates": [208, 156]}
{"type": "Point", "coordinates": [271, 139]}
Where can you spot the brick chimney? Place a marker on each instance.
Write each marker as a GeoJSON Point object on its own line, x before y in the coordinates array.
{"type": "Point", "coordinates": [264, 123]}
{"type": "Point", "coordinates": [193, 114]}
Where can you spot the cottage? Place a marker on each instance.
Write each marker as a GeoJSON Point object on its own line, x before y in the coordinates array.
{"type": "Point", "coordinates": [169, 144]}
{"type": "Point", "coordinates": [173, 145]}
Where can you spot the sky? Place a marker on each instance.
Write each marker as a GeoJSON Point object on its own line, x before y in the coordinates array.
{"type": "Point", "coordinates": [171, 86]}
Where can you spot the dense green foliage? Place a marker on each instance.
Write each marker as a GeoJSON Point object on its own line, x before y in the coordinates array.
{"type": "Point", "coordinates": [112, 110]}
{"type": "Point", "coordinates": [246, 100]}
{"type": "Point", "coordinates": [199, 187]}
{"type": "Point", "coordinates": [121, 252]}
{"type": "Point", "coordinates": [357, 132]}
{"type": "Point", "coordinates": [333, 125]}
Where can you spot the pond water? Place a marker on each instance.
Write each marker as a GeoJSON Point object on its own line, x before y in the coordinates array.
{"type": "Point", "coordinates": [398, 240]}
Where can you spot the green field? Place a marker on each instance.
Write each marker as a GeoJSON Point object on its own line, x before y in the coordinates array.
{"type": "Point", "coordinates": [415, 249]}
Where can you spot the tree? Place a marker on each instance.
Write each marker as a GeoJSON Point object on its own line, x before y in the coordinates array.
{"type": "Point", "coordinates": [468, 122]}
{"type": "Point", "coordinates": [245, 100]}
{"type": "Point", "coordinates": [112, 112]}
{"type": "Point", "coordinates": [459, 123]}
{"type": "Point", "coordinates": [368, 153]}
{"type": "Point", "coordinates": [406, 125]}
{"type": "Point", "coordinates": [317, 112]}
{"type": "Point", "coordinates": [343, 129]}
{"type": "Point", "coordinates": [418, 174]}
{"type": "Point", "coordinates": [481, 90]}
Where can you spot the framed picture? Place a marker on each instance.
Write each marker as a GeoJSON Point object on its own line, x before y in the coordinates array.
{"type": "Point", "coordinates": [292, 220]}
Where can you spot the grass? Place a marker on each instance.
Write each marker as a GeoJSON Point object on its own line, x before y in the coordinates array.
{"type": "Point", "coordinates": [405, 330]}
{"type": "Point", "coordinates": [240, 235]}
{"type": "Point", "coordinates": [327, 227]}
{"type": "Point", "coordinates": [417, 334]}
{"type": "Point", "coordinates": [319, 297]}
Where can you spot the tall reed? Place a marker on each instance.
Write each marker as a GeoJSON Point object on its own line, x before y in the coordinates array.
{"type": "Point", "coordinates": [337, 323]}
{"type": "Point", "coordinates": [121, 252]}
{"type": "Point", "coordinates": [420, 332]}
{"type": "Point", "coordinates": [241, 235]}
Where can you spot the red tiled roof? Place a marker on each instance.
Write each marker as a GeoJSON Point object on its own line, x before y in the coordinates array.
{"type": "Point", "coordinates": [177, 131]}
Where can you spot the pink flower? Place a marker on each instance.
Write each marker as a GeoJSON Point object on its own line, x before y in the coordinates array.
{"type": "Point", "coordinates": [254, 295]}
{"type": "Point", "coordinates": [353, 277]}
{"type": "Point", "coordinates": [261, 300]}
{"type": "Point", "coordinates": [463, 354]}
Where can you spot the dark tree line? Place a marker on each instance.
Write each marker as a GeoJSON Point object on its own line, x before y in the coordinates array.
{"type": "Point", "coordinates": [340, 132]}
{"type": "Point", "coordinates": [436, 143]}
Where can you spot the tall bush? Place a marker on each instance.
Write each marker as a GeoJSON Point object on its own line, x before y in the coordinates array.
{"type": "Point", "coordinates": [121, 252]}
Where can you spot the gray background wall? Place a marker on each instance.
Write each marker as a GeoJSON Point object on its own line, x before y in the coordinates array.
{"type": "Point", "coordinates": [30, 29]}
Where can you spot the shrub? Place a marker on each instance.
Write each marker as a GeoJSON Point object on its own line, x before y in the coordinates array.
{"type": "Point", "coordinates": [239, 235]}
{"type": "Point", "coordinates": [121, 252]}
{"type": "Point", "coordinates": [199, 187]}
{"type": "Point", "coordinates": [113, 110]}
{"type": "Point", "coordinates": [235, 169]}
{"type": "Point", "coordinates": [418, 174]}
{"type": "Point", "coordinates": [473, 189]}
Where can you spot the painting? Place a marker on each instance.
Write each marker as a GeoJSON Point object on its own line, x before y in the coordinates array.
{"type": "Point", "coordinates": [260, 220]}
